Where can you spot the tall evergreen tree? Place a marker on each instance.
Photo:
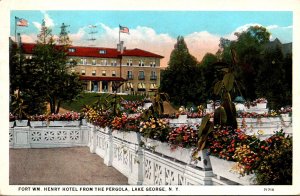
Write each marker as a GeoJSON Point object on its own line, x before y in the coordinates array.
{"type": "Point", "coordinates": [182, 80]}
{"type": "Point", "coordinates": [52, 77]}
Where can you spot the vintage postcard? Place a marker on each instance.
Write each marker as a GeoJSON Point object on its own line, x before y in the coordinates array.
{"type": "Point", "coordinates": [149, 97]}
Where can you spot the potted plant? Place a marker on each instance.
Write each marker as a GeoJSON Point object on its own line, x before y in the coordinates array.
{"type": "Point", "coordinates": [233, 154]}
{"type": "Point", "coordinates": [261, 103]}
{"type": "Point", "coordinates": [66, 119]}
{"type": "Point", "coordinates": [38, 120]}
{"type": "Point", "coordinates": [19, 111]}
{"type": "Point", "coordinates": [154, 128]}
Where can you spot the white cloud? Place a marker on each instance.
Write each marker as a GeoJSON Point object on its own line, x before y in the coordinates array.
{"type": "Point", "coordinates": [48, 21]}
{"type": "Point", "coordinates": [78, 38]}
{"type": "Point", "coordinates": [31, 38]}
{"type": "Point", "coordinates": [200, 43]}
{"type": "Point", "coordinates": [240, 29]}
{"type": "Point", "coordinates": [37, 25]}
{"type": "Point", "coordinates": [272, 27]}
{"type": "Point", "coordinates": [146, 38]}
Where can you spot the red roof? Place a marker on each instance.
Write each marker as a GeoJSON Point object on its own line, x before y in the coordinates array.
{"type": "Point", "coordinates": [95, 78]}
{"type": "Point", "coordinates": [81, 51]}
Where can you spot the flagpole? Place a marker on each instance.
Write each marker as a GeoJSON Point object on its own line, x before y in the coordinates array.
{"type": "Point", "coordinates": [119, 33]}
{"type": "Point", "coordinates": [15, 29]}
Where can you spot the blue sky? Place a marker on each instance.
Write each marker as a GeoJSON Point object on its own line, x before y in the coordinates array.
{"type": "Point", "coordinates": [156, 31]}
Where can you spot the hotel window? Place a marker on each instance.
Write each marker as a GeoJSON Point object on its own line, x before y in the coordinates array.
{"type": "Point", "coordinates": [152, 64]}
{"type": "Point", "coordinates": [94, 72]}
{"type": "Point", "coordinates": [102, 51]}
{"type": "Point", "coordinates": [83, 61]}
{"type": "Point", "coordinates": [104, 62]}
{"type": "Point", "coordinates": [71, 49]}
{"type": "Point", "coordinates": [129, 75]}
{"type": "Point", "coordinates": [83, 72]}
{"type": "Point", "coordinates": [153, 75]}
{"type": "Point", "coordinates": [103, 73]}
{"type": "Point", "coordinates": [141, 63]}
{"type": "Point", "coordinates": [113, 63]}
{"type": "Point", "coordinates": [141, 75]}
{"type": "Point", "coordinates": [129, 62]}
{"type": "Point", "coordinates": [113, 73]}
{"type": "Point", "coordinates": [93, 62]}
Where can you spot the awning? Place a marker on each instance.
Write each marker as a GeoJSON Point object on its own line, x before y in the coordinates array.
{"type": "Point", "coordinates": [141, 86]}
{"type": "Point", "coordinates": [153, 86]}
{"type": "Point", "coordinates": [129, 85]}
{"type": "Point", "coordinates": [95, 78]}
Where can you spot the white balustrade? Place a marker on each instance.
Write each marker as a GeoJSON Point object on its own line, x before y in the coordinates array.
{"type": "Point", "coordinates": [155, 163]}
{"type": "Point", "coordinates": [47, 137]}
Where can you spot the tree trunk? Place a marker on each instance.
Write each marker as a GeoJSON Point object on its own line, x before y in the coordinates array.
{"type": "Point", "coordinates": [58, 106]}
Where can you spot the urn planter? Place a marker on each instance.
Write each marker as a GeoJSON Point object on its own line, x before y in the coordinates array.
{"type": "Point", "coordinates": [21, 123]}
{"type": "Point", "coordinates": [128, 136]}
{"type": "Point", "coordinates": [84, 122]}
{"type": "Point", "coordinates": [38, 123]}
{"type": "Point", "coordinates": [223, 169]}
{"type": "Point", "coordinates": [74, 123]}
{"type": "Point", "coordinates": [178, 154]}
{"type": "Point", "coordinates": [261, 105]}
{"type": "Point", "coordinates": [182, 119]}
{"type": "Point", "coordinates": [11, 124]}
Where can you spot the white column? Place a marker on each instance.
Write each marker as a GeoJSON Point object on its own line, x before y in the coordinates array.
{"type": "Point", "coordinates": [89, 85]}
{"type": "Point", "coordinates": [108, 147]}
{"type": "Point", "coordinates": [110, 87]}
{"type": "Point", "coordinates": [100, 86]}
{"type": "Point", "coordinates": [93, 139]}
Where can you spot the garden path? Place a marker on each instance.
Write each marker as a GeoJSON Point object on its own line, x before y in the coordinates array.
{"type": "Point", "coordinates": [61, 166]}
{"type": "Point", "coordinates": [61, 110]}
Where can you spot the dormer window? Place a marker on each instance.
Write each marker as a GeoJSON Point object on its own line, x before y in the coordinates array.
{"type": "Point", "coordinates": [72, 50]}
{"type": "Point", "coordinates": [152, 64]}
{"type": "Point", "coordinates": [129, 62]}
{"type": "Point", "coordinates": [102, 51]}
{"type": "Point", "coordinates": [141, 63]}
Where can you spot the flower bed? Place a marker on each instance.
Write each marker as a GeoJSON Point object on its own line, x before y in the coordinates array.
{"type": "Point", "coordinates": [225, 169]}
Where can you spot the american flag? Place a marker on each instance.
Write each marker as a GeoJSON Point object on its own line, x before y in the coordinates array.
{"type": "Point", "coordinates": [124, 29]}
{"type": "Point", "coordinates": [21, 22]}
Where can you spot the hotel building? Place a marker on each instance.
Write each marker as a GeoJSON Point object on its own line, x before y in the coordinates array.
{"type": "Point", "coordinates": [102, 68]}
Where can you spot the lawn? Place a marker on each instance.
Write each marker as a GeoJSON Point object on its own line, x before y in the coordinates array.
{"type": "Point", "coordinates": [91, 98]}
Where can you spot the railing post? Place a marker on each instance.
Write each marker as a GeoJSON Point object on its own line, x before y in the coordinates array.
{"type": "Point", "coordinates": [136, 172]}
{"type": "Point", "coordinates": [108, 147]}
{"type": "Point", "coordinates": [85, 135]}
{"type": "Point", "coordinates": [93, 138]}
{"type": "Point", "coordinates": [21, 137]}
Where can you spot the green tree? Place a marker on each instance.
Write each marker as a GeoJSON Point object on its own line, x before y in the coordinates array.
{"type": "Point", "coordinates": [270, 81]}
{"type": "Point", "coordinates": [46, 77]}
{"type": "Point", "coordinates": [210, 74]}
{"type": "Point", "coordinates": [20, 85]}
{"type": "Point", "coordinates": [182, 80]}
{"type": "Point", "coordinates": [249, 46]}
{"type": "Point", "coordinates": [51, 71]}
